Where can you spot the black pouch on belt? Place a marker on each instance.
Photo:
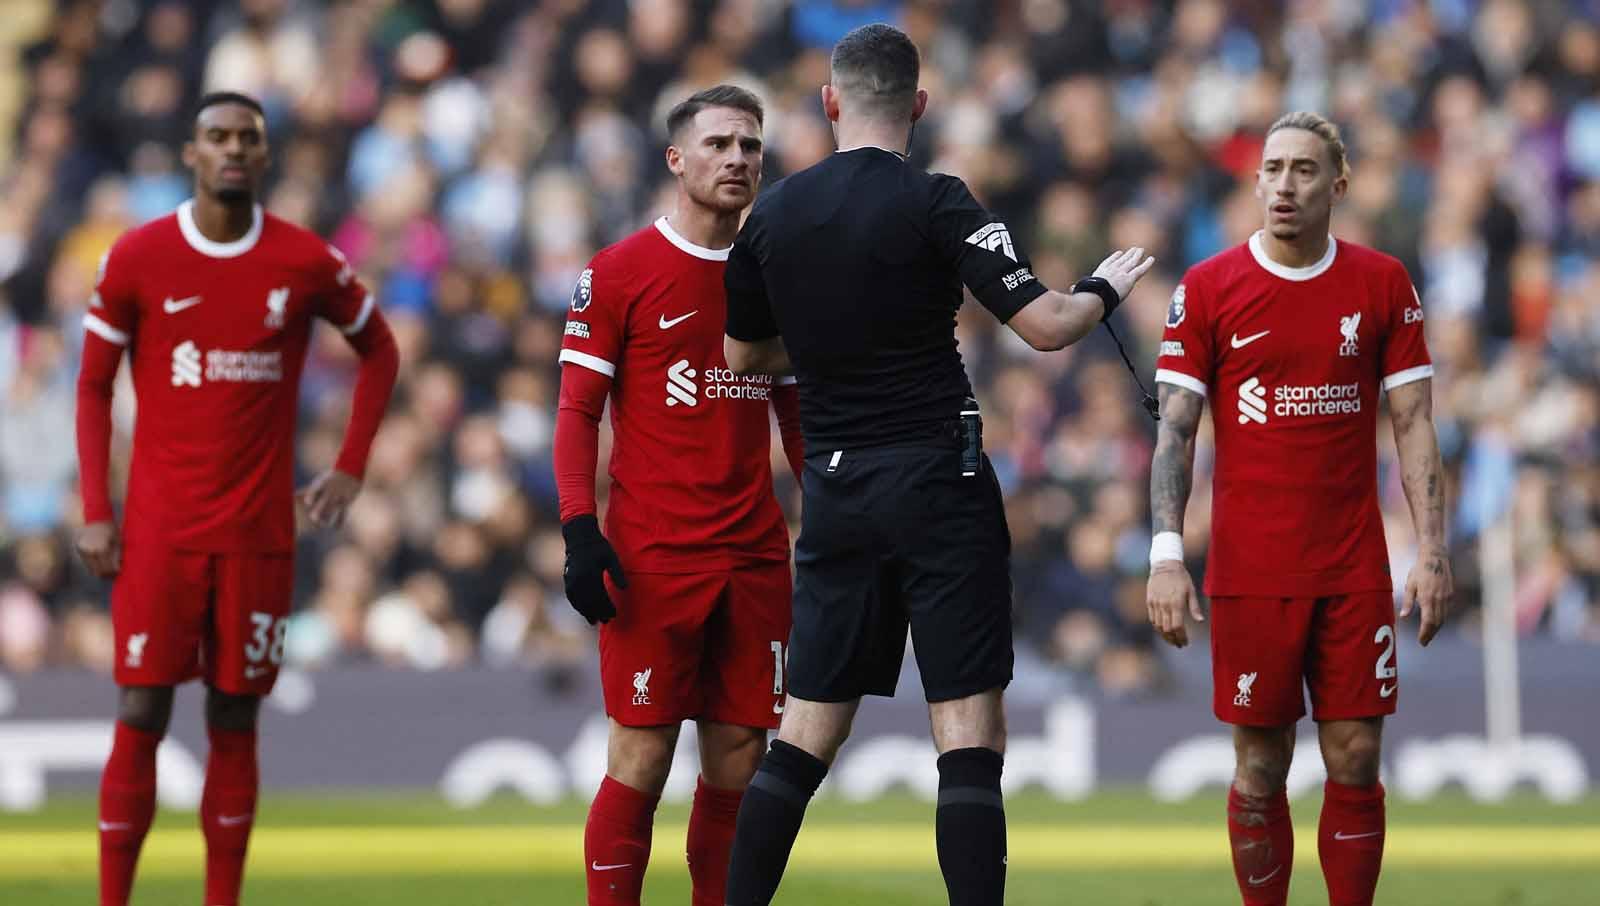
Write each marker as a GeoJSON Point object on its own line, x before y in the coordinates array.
{"type": "Point", "coordinates": [971, 438]}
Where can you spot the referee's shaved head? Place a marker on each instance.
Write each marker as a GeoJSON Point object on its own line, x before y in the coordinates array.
{"type": "Point", "coordinates": [875, 70]}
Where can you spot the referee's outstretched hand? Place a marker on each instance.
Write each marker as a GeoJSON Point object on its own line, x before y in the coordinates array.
{"type": "Point", "coordinates": [1123, 269]}
{"type": "Point", "coordinates": [589, 557]}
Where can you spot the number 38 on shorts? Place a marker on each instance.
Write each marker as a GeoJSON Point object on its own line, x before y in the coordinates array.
{"type": "Point", "coordinates": [182, 615]}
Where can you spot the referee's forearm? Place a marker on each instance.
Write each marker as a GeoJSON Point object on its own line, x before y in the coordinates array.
{"type": "Point", "coordinates": [1083, 312]}
{"type": "Point", "coordinates": [1056, 320]}
{"type": "Point", "coordinates": [767, 356]}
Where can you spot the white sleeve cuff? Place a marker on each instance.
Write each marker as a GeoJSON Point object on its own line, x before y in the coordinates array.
{"type": "Point", "coordinates": [354, 327]}
{"type": "Point", "coordinates": [1179, 379]}
{"type": "Point", "coordinates": [1401, 378]}
{"type": "Point", "coordinates": [104, 331]}
{"type": "Point", "coordinates": [591, 362]}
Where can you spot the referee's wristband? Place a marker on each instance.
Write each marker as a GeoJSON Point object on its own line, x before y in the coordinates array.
{"type": "Point", "coordinates": [1101, 287]}
{"type": "Point", "coordinates": [1166, 546]}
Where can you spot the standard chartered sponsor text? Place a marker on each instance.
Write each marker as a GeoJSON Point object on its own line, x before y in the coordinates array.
{"type": "Point", "coordinates": [1317, 399]}
{"type": "Point", "coordinates": [722, 383]}
{"type": "Point", "coordinates": [243, 365]}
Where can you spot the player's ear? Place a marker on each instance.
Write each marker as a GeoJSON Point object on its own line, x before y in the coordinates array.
{"type": "Point", "coordinates": [1341, 185]}
{"type": "Point", "coordinates": [187, 155]}
{"type": "Point", "coordinates": [920, 105]}
{"type": "Point", "coordinates": [674, 160]}
{"type": "Point", "coordinates": [830, 102]}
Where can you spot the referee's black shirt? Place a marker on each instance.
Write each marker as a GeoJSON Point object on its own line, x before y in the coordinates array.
{"type": "Point", "coordinates": [858, 264]}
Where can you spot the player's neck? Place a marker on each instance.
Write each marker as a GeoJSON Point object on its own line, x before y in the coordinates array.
{"type": "Point", "coordinates": [703, 226]}
{"type": "Point", "coordinates": [892, 137]}
{"type": "Point", "coordinates": [1302, 251]}
{"type": "Point", "coordinates": [221, 221]}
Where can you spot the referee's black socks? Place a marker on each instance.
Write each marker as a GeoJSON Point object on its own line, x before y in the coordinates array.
{"type": "Point", "coordinates": [971, 827]}
{"type": "Point", "coordinates": [769, 820]}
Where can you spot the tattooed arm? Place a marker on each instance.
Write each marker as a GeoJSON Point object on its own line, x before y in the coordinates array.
{"type": "Point", "coordinates": [1172, 469]}
{"type": "Point", "coordinates": [1430, 584]}
{"type": "Point", "coordinates": [1171, 590]}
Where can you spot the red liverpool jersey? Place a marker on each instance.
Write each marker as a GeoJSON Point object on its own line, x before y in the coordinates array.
{"type": "Point", "coordinates": [691, 474]}
{"type": "Point", "coordinates": [1293, 360]}
{"type": "Point", "coordinates": [217, 333]}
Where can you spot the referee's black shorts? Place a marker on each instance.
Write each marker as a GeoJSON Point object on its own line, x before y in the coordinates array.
{"type": "Point", "coordinates": [895, 535]}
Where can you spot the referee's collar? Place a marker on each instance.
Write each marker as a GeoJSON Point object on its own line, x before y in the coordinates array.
{"type": "Point", "coordinates": [875, 147]}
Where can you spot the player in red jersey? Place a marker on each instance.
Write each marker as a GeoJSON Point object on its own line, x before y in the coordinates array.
{"type": "Point", "coordinates": [1293, 336]}
{"type": "Point", "coordinates": [213, 305]}
{"type": "Point", "coordinates": [697, 626]}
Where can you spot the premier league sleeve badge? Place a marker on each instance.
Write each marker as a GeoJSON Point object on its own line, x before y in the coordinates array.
{"type": "Point", "coordinates": [1175, 311]}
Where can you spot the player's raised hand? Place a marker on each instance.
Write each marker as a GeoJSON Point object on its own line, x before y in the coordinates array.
{"type": "Point", "coordinates": [328, 497]}
{"type": "Point", "coordinates": [1169, 593]}
{"type": "Point", "coordinates": [1123, 269]}
{"type": "Point", "coordinates": [1430, 585]}
{"type": "Point", "coordinates": [589, 557]}
{"type": "Point", "coordinates": [100, 546]}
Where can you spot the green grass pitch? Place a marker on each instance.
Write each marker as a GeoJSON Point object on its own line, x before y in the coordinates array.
{"type": "Point", "coordinates": [1115, 849]}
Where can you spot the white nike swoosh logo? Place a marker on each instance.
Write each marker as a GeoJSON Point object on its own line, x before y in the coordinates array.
{"type": "Point", "coordinates": [598, 867]}
{"type": "Point", "coordinates": [1240, 344]}
{"type": "Point", "coordinates": [172, 308]}
{"type": "Point", "coordinates": [233, 820]}
{"type": "Point", "coordinates": [1257, 882]}
{"type": "Point", "coordinates": [1341, 835]}
{"type": "Point", "coordinates": [678, 320]}
{"type": "Point", "coordinates": [114, 825]}
{"type": "Point", "coordinates": [1385, 690]}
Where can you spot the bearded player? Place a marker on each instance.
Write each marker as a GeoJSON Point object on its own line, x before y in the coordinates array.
{"type": "Point", "coordinates": [690, 579]}
{"type": "Point", "coordinates": [213, 306]}
{"type": "Point", "coordinates": [1293, 336]}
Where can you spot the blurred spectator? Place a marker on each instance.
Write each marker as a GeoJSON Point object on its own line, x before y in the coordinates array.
{"type": "Point", "coordinates": [36, 479]}
{"type": "Point", "coordinates": [470, 156]}
{"type": "Point", "coordinates": [524, 628]}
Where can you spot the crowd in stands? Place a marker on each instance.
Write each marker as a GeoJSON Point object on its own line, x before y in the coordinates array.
{"type": "Point", "coordinates": [469, 156]}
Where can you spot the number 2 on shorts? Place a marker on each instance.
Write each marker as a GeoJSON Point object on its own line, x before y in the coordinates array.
{"type": "Point", "coordinates": [1385, 666]}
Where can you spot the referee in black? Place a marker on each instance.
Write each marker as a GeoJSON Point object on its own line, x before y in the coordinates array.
{"type": "Point", "coordinates": [848, 275]}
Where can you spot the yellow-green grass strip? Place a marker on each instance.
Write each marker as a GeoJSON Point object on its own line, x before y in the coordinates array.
{"type": "Point", "coordinates": [303, 852]}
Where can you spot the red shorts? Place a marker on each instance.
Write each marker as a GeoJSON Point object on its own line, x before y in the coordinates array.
{"type": "Point", "coordinates": [704, 645]}
{"type": "Point", "coordinates": [179, 615]}
{"type": "Point", "coordinates": [1342, 645]}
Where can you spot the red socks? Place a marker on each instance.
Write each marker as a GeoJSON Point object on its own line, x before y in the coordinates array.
{"type": "Point", "coordinates": [711, 825]}
{"type": "Point", "coordinates": [616, 843]}
{"type": "Point", "coordinates": [1263, 846]}
{"type": "Point", "coordinates": [227, 812]}
{"type": "Point", "coordinates": [1350, 842]}
{"type": "Point", "coordinates": [127, 805]}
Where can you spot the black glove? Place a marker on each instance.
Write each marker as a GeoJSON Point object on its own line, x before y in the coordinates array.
{"type": "Point", "coordinates": [589, 557]}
